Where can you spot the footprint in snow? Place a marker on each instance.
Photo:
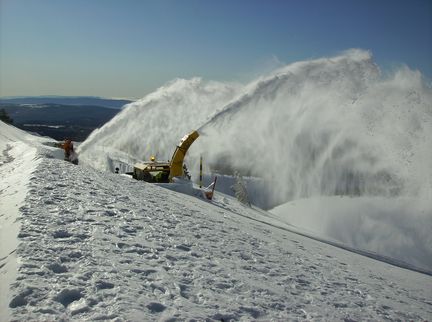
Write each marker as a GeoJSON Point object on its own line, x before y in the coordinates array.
{"type": "Point", "coordinates": [61, 234]}
{"type": "Point", "coordinates": [67, 296]}
{"type": "Point", "coordinates": [57, 268]}
{"type": "Point", "coordinates": [102, 285]}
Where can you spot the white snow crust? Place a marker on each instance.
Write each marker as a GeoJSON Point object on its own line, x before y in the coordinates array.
{"type": "Point", "coordinates": [93, 245]}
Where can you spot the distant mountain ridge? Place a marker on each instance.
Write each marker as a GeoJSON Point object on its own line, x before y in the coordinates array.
{"type": "Point", "coordinates": [60, 114]}
{"type": "Point", "coordinates": [59, 121]}
{"type": "Point", "coordinates": [67, 100]}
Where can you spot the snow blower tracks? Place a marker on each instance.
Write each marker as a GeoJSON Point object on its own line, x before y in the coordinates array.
{"type": "Point", "coordinates": [98, 246]}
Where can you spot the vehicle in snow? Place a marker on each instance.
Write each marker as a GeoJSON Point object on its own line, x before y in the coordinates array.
{"type": "Point", "coordinates": [156, 171]}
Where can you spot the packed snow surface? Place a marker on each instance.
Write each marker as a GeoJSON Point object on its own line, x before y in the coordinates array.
{"type": "Point", "coordinates": [93, 245]}
{"type": "Point", "coordinates": [311, 131]}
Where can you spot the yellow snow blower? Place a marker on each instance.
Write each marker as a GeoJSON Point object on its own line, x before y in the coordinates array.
{"type": "Point", "coordinates": [156, 171]}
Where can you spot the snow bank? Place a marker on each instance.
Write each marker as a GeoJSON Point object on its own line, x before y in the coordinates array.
{"type": "Point", "coordinates": [17, 162]}
{"type": "Point", "coordinates": [398, 228]}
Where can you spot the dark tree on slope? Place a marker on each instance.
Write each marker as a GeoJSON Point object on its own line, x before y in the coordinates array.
{"type": "Point", "coordinates": [5, 117]}
{"type": "Point", "coordinates": [239, 188]}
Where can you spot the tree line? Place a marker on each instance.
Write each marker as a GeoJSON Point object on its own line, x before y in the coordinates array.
{"type": "Point", "coordinates": [4, 116]}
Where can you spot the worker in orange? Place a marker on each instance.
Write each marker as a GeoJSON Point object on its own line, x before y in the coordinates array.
{"type": "Point", "coordinates": [68, 148]}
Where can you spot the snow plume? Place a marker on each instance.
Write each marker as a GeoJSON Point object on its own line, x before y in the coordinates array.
{"type": "Point", "coordinates": [311, 130]}
{"type": "Point", "coordinates": [329, 127]}
{"type": "Point", "coordinates": [155, 124]}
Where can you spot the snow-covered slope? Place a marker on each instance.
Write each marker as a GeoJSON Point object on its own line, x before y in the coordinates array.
{"type": "Point", "coordinates": [17, 161]}
{"type": "Point", "coordinates": [99, 246]}
{"type": "Point", "coordinates": [398, 228]}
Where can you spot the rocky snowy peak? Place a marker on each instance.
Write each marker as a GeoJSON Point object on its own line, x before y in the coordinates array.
{"type": "Point", "coordinates": [95, 246]}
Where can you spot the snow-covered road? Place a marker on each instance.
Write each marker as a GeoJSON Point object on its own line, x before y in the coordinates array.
{"type": "Point", "coordinates": [100, 246]}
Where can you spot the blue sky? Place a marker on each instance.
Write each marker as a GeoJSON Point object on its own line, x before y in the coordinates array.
{"type": "Point", "coordinates": [129, 48]}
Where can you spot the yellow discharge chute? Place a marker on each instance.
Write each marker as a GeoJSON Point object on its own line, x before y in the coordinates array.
{"type": "Point", "coordinates": [179, 154]}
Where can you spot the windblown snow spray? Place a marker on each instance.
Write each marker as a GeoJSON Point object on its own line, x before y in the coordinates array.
{"type": "Point", "coordinates": [330, 127]}
{"type": "Point", "coordinates": [154, 124]}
